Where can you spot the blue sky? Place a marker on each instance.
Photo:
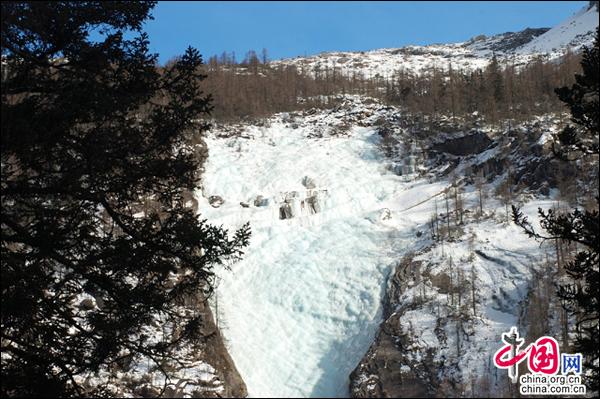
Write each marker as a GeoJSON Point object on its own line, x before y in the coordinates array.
{"type": "Point", "coordinates": [288, 29]}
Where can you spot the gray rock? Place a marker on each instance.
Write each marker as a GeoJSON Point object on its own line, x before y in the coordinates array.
{"type": "Point", "coordinates": [308, 183]}
{"type": "Point", "coordinates": [147, 391]}
{"type": "Point", "coordinates": [87, 304]}
{"type": "Point", "coordinates": [215, 201]}
{"type": "Point", "coordinates": [286, 211]}
{"type": "Point", "coordinates": [313, 204]}
{"type": "Point", "coordinates": [172, 392]}
{"type": "Point", "coordinates": [261, 201]}
{"type": "Point", "coordinates": [386, 214]}
{"type": "Point", "coordinates": [388, 369]}
{"type": "Point", "coordinates": [473, 143]}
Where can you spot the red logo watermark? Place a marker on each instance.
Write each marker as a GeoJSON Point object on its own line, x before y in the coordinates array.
{"type": "Point", "coordinates": [544, 362]}
{"type": "Point", "coordinates": [543, 355]}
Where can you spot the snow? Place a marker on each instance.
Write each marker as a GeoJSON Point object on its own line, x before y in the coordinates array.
{"type": "Point", "coordinates": [504, 264]}
{"type": "Point", "coordinates": [573, 32]}
{"type": "Point", "coordinates": [385, 62]}
{"type": "Point", "coordinates": [303, 306]}
{"type": "Point", "coordinates": [190, 376]}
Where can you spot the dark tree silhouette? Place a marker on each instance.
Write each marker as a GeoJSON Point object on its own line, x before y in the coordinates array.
{"type": "Point", "coordinates": [582, 100]}
{"type": "Point", "coordinates": [579, 226]}
{"type": "Point", "coordinates": [91, 131]}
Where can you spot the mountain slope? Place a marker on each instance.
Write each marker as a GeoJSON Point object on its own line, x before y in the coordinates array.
{"type": "Point", "coordinates": [335, 201]}
{"type": "Point", "coordinates": [304, 304]}
{"type": "Point", "coordinates": [573, 33]}
{"type": "Point", "coordinates": [516, 47]}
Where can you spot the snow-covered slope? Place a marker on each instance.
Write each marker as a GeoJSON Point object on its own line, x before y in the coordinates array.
{"type": "Point", "coordinates": [428, 335]}
{"type": "Point", "coordinates": [572, 33]}
{"type": "Point", "coordinates": [385, 62]}
{"type": "Point", "coordinates": [303, 306]}
{"type": "Point", "coordinates": [516, 47]}
{"type": "Point", "coordinates": [331, 218]}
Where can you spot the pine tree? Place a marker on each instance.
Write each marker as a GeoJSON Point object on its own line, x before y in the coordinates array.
{"type": "Point", "coordinates": [579, 226]}
{"type": "Point", "coordinates": [494, 86]}
{"type": "Point", "coordinates": [90, 132]}
{"type": "Point", "coordinates": [582, 100]}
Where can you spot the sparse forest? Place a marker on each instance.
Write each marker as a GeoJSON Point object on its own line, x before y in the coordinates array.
{"type": "Point", "coordinates": [501, 91]}
{"type": "Point", "coordinates": [578, 229]}
{"type": "Point", "coordinates": [254, 88]}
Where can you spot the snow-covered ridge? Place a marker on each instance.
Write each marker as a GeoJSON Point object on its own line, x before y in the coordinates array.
{"type": "Point", "coordinates": [573, 33]}
{"type": "Point", "coordinates": [518, 48]}
{"type": "Point", "coordinates": [435, 337]}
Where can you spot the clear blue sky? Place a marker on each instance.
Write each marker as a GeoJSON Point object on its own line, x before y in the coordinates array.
{"type": "Point", "coordinates": [288, 29]}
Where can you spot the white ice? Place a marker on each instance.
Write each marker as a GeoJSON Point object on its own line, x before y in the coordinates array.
{"type": "Point", "coordinates": [303, 306]}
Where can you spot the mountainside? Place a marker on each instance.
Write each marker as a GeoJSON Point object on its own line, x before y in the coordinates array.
{"type": "Point", "coordinates": [573, 33]}
{"type": "Point", "coordinates": [350, 224]}
{"type": "Point", "coordinates": [514, 47]}
{"type": "Point", "coordinates": [336, 198]}
{"type": "Point", "coordinates": [365, 214]}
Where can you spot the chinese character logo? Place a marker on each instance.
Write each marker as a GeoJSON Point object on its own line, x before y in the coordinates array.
{"type": "Point", "coordinates": [543, 355]}
{"type": "Point", "coordinates": [509, 357]}
{"type": "Point", "coordinates": [571, 363]}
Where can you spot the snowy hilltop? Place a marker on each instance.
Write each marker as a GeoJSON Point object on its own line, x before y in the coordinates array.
{"type": "Point", "coordinates": [572, 33]}
{"type": "Point", "coordinates": [517, 48]}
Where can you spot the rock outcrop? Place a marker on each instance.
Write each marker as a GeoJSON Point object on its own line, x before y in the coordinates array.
{"type": "Point", "coordinates": [216, 354]}
{"type": "Point", "coordinates": [260, 201]}
{"type": "Point", "coordinates": [469, 144]}
{"type": "Point", "coordinates": [215, 201]}
{"type": "Point", "coordinates": [385, 370]}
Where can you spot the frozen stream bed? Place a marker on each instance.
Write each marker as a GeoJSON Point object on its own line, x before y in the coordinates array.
{"type": "Point", "coordinates": [302, 307]}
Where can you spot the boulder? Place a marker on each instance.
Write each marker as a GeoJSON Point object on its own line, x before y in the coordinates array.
{"type": "Point", "coordinates": [87, 304]}
{"type": "Point", "coordinates": [286, 211]}
{"type": "Point", "coordinates": [473, 143]}
{"type": "Point", "coordinates": [261, 201]}
{"type": "Point", "coordinates": [215, 201]}
{"type": "Point", "coordinates": [308, 183]}
{"type": "Point", "coordinates": [313, 204]}
{"type": "Point", "coordinates": [386, 214]}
